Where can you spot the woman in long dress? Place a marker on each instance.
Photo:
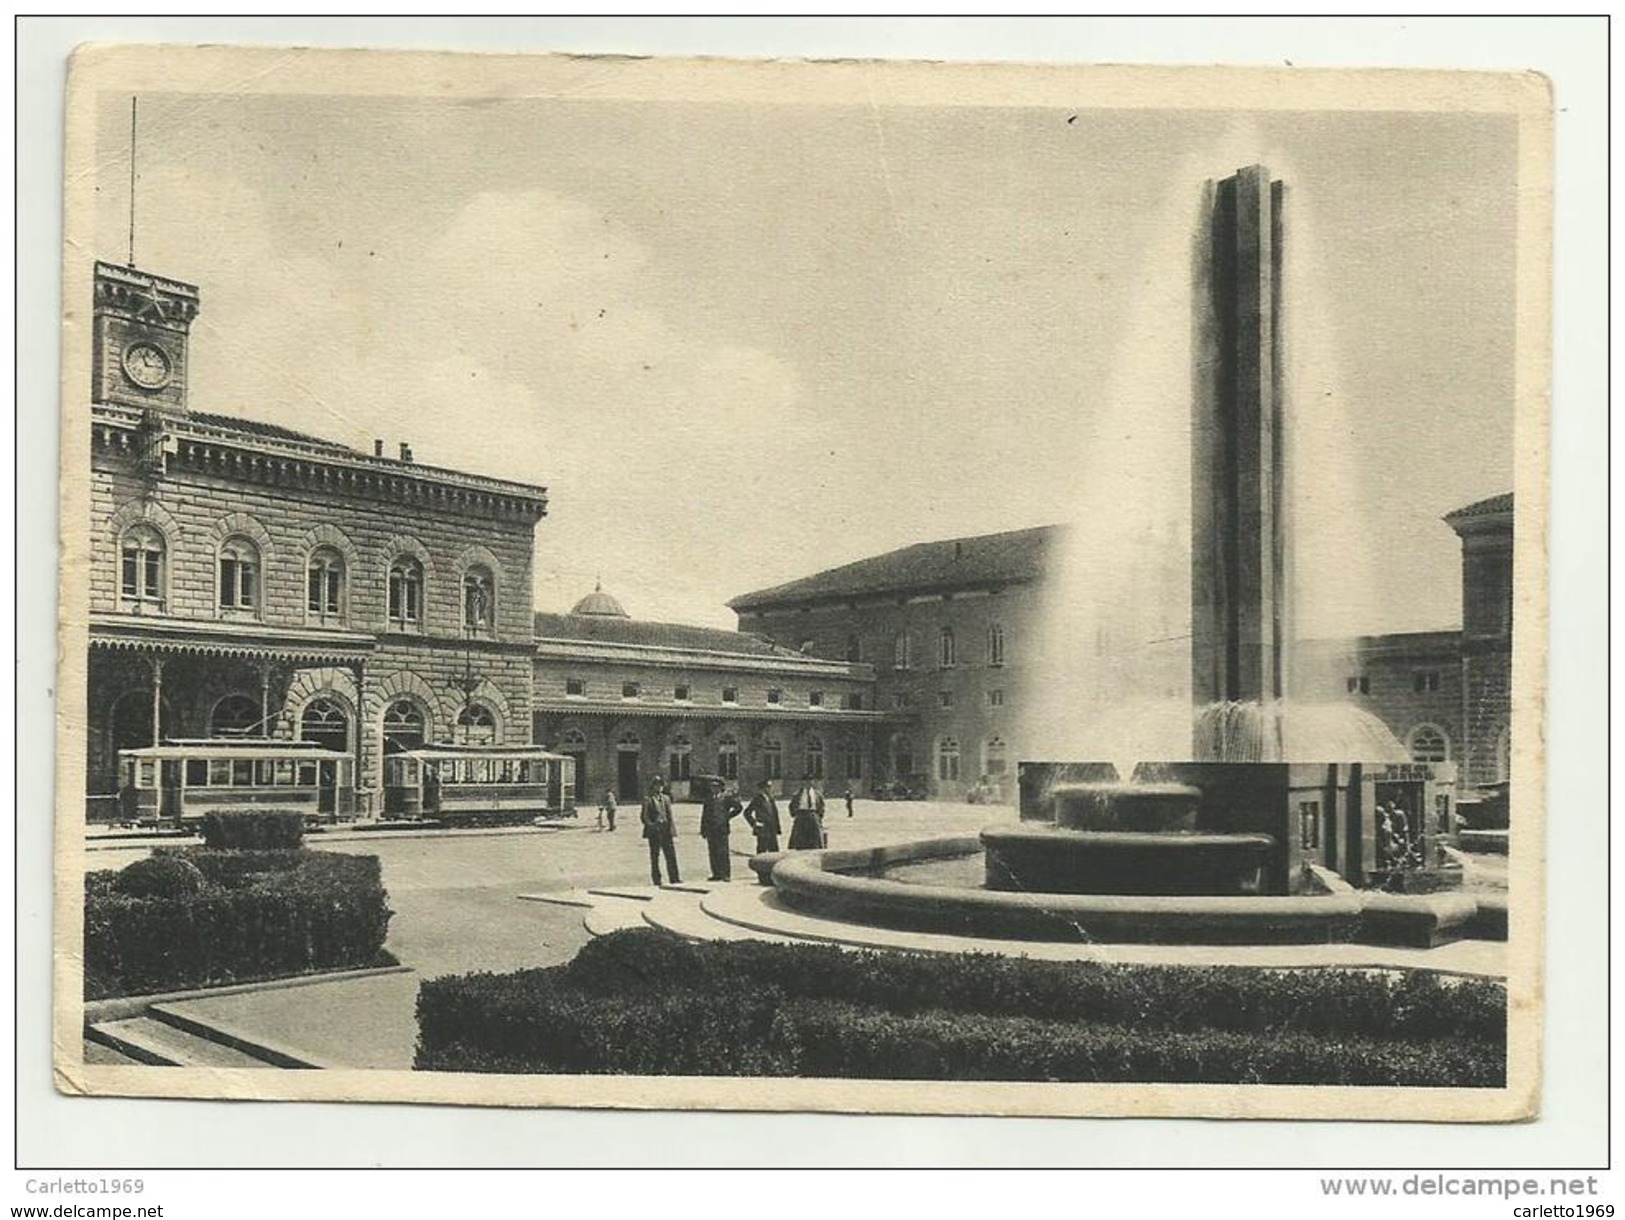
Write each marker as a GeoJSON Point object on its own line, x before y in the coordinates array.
{"type": "Point", "coordinates": [807, 818]}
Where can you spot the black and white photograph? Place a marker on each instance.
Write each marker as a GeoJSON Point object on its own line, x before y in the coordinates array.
{"type": "Point", "coordinates": [857, 587]}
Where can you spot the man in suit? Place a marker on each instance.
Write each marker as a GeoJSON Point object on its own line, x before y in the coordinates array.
{"type": "Point", "coordinates": [660, 829]}
{"type": "Point", "coordinates": [807, 817]}
{"type": "Point", "coordinates": [716, 821]}
{"type": "Point", "coordinates": [763, 815]}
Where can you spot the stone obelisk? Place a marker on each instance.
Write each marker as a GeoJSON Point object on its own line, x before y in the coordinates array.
{"type": "Point", "coordinates": [1240, 562]}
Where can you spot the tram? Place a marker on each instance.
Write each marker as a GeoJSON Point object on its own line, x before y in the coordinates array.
{"type": "Point", "coordinates": [478, 785]}
{"type": "Point", "coordinates": [181, 780]}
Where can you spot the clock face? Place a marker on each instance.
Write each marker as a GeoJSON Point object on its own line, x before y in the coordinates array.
{"type": "Point", "coordinates": [147, 365]}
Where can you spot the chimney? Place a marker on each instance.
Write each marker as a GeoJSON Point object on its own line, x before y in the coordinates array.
{"type": "Point", "coordinates": [406, 452]}
{"type": "Point", "coordinates": [377, 446]}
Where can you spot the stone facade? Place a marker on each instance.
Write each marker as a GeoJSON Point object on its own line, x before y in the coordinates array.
{"type": "Point", "coordinates": [241, 573]}
{"type": "Point", "coordinates": [629, 699]}
{"type": "Point", "coordinates": [1445, 694]}
{"type": "Point", "coordinates": [949, 629]}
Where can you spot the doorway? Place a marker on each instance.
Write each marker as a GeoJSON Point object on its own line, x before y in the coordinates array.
{"type": "Point", "coordinates": [627, 775]}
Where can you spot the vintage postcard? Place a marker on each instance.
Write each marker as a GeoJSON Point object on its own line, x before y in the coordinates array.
{"type": "Point", "coordinates": [853, 586]}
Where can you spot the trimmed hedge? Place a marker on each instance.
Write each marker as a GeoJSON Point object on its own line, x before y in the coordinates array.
{"type": "Point", "coordinates": [1414, 1004]}
{"type": "Point", "coordinates": [646, 1003]}
{"type": "Point", "coordinates": [259, 914]}
{"type": "Point", "coordinates": [253, 830]}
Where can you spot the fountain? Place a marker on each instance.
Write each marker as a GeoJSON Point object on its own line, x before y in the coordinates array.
{"type": "Point", "coordinates": [1258, 838]}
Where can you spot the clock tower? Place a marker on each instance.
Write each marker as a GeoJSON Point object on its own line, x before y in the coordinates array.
{"type": "Point", "coordinates": [140, 325]}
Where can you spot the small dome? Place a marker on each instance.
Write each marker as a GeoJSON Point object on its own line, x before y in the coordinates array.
{"type": "Point", "coordinates": [599, 604]}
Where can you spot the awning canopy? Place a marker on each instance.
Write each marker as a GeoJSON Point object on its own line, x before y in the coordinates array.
{"type": "Point", "coordinates": [160, 636]}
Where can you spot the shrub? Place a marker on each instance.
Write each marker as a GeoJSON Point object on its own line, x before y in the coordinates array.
{"type": "Point", "coordinates": [253, 829]}
{"type": "Point", "coordinates": [844, 1040]}
{"type": "Point", "coordinates": [159, 877]}
{"type": "Point", "coordinates": [1331, 1002]}
{"type": "Point", "coordinates": [534, 1021]}
{"type": "Point", "coordinates": [544, 1021]}
{"type": "Point", "coordinates": [258, 915]}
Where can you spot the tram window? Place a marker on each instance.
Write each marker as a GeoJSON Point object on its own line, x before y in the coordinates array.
{"type": "Point", "coordinates": [242, 772]}
{"type": "Point", "coordinates": [146, 779]}
{"type": "Point", "coordinates": [284, 772]}
{"type": "Point", "coordinates": [307, 775]}
{"type": "Point", "coordinates": [265, 772]}
{"type": "Point", "coordinates": [197, 772]}
{"type": "Point", "coordinates": [219, 772]}
{"type": "Point", "coordinates": [508, 777]}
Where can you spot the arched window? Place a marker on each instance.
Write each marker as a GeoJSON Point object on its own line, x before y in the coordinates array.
{"type": "Point", "coordinates": [854, 648]}
{"type": "Point", "coordinates": [995, 757]}
{"type": "Point", "coordinates": [728, 757]}
{"type": "Point", "coordinates": [239, 576]}
{"type": "Point", "coordinates": [852, 756]}
{"type": "Point", "coordinates": [1428, 744]}
{"type": "Point", "coordinates": [814, 758]}
{"type": "Point", "coordinates": [945, 647]}
{"type": "Point", "coordinates": [772, 759]}
{"type": "Point", "coordinates": [235, 716]}
{"type": "Point", "coordinates": [995, 644]}
{"type": "Point", "coordinates": [680, 758]}
{"type": "Point", "coordinates": [141, 569]}
{"type": "Point", "coordinates": [948, 760]}
{"type": "Point", "coordinates": [324, 585]}
{"type": "Point", "coordinates": [325, 722]}
{"type": "Point", "coordinates": [406, 594]}
{"type": "Point", "coordinates": [476, 726]}
{"type": "Point", "coordinates": [479, 600]}
{"type": "Point", "coordinates": [902, 649]}
{"type": "Point", "coordinates": [403, 726]}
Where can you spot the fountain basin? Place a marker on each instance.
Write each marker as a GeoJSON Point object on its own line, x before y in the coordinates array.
{"type": "Point", "coordinates": [840, 886]}
{"type": "Point", "coordinates": [1126, 807]}
{"type": "Point", "coordinates": [1057, 860]}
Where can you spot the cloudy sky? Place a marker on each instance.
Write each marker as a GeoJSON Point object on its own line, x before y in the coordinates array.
{"type": "Point", "coordinates": [739, 344]}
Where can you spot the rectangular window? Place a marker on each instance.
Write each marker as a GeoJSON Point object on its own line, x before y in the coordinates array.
{"type": "Point", "coordinates": [265, 772]}
{"type": "Point", "coordinates": [1426, 680]}
{"type": "Point", "coordinates": [995, 698]}
{"type": "Point", "coordinates": [774, 694]}
{"type": "Point", "coordinates": [945, 698]}
{"type": "Point", "coordinates": [219, 772]}
{"type": "Point", "coordinates": [228, 583]}
{"type": "Point", "coordinates": [680, 694]}
{"type": "Point", "coordinates": [284, 772]}
{"type": "Point", "coordinates": [132, 564]}
{"type": "Point", "coordinates": [1359, 684]}
{"type": "Point", "coordinates": [853, 701]}
{"type": "Point", "coordinates": [575, 687]}
{"type": "Point", "coordinates": [307, 775]}
{"type": "Point", "coordinates": [815, 698]}
{"type": "Point", "coordinates": [730, 694]}
{"type": "Point", "coordinates": [242, 772]}
{"type": "Point", "coordinates": [148, 773]}
{"type": "Point", "coordinates": [630, 690]}
{"type": "Point", "coordinates": [854, 763]}
{"type": "Point", "coordinates": [773, 762]}
{"type": "Point", "coordinates": [197, 772]}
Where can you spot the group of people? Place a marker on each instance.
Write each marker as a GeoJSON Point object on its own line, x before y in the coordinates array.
{"type": "Point", "coordinates": [721, 806]}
